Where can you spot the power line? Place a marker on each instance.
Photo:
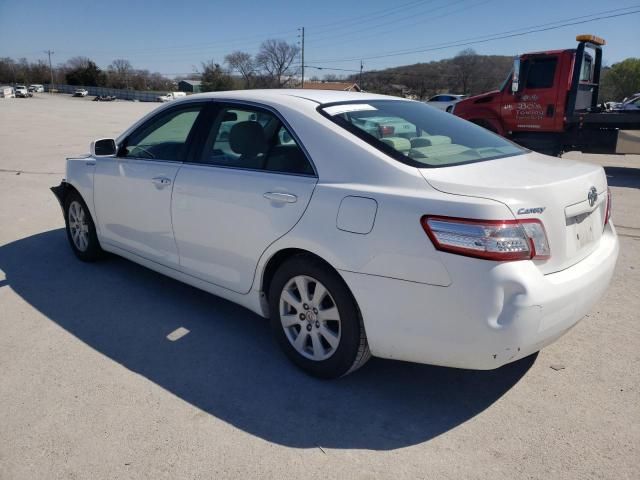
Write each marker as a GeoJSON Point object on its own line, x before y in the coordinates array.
{"type": "Point", "coordinates": [402, 8]}
{"type": "Point", "coordinates": [392, 21]}
{"type": "Point", "coordinates": [378, 33]}
{"type": "Point", "coordinates": [499, 36]}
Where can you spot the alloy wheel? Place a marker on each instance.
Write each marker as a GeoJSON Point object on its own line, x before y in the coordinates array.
{"type": "Point", "coordinates": [310, 318]}
{"type": "Point", "coordinates": [78, 226]}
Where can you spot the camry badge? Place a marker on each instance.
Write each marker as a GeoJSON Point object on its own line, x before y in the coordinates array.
{"type": "Point", "coordinates": [527, 211]}
{"type": "Point", "coordinates": [592, 196]}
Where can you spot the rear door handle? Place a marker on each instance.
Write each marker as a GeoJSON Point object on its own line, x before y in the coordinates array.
{"type": "Point", "coordinates": [161, 181]}
{"type": "Point", "coordinates": [281, 197]}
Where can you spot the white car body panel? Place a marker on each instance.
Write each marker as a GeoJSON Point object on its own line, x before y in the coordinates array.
{"type": "Point", "coordinates": [212, 228]}
{"type": "Point", "coordinates": [132, 211]}
{"type": "Point", "coordinates": [223, 222]}
{"type": "Point", "coordinates": [535, 180]}
{"type": "Point", "coordinates": [491, 315]}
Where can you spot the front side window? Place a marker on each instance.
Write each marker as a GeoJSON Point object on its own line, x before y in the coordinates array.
{"type": "Point", "coordinates": [417, 134]}
{"type": "Point", "coordinates": [256, 139]}
{"type": "Point", "coordinates": [541, 72]}
{"type": "Point", "coordinates": [164, 137]}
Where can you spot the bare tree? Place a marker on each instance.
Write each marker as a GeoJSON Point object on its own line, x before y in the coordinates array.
{"type": "Point", "coordinates": [468, 63]}
{"type": "Point", "coordinates": [244, 64]}
{"type": "Point", "coordinates": [119, 73]}
{"type": "Point", "coordinates": [275, 58]}
{"type": "Point", "coordinates": [78, 63]}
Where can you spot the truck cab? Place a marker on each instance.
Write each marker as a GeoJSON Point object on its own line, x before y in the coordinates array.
{"type": "Point", "coordinates": [549, 103]}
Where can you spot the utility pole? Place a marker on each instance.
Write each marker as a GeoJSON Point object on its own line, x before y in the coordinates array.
{"type": "Point", "coordinates": [50, 52]}
{"type": "Point", "coordinates": [360, 79]}
{"type": "Point", "coordinates": [302, 51]}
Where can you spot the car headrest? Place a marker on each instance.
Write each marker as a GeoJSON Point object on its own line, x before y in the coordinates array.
{"type": "Point", "coordinates": [429, 141]}
{"type": "Point", "coordinates": [247, 139]}
{"type": "Point", "coordinates": [398, 143]}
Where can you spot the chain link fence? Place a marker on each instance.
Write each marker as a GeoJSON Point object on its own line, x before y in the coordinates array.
{"type": "Point", "coordinates": [141, 96]}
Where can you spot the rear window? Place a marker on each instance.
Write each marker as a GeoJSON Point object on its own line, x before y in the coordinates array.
{"type": "Point", "coordinates": [417, 134]}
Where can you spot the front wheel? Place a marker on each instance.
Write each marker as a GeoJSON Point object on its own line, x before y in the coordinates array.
{"type": "Point", "coordinates": [81, 230]}
{"type": "Point", "coordinates": [315, 319]}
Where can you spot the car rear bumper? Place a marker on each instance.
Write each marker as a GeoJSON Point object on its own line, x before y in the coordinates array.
{"type": "Point", "coordinates": [491, 314]}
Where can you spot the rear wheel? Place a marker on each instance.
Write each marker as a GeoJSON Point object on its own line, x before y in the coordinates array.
{"type": "Point", "coordinates": [81, 230]}
{"type": "Point", "coordinates": [315, 318]}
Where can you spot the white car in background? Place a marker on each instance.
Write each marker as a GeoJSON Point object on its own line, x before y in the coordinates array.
{"type": "Point", "coordinates": [440, 243]}
{"type": "Point", "coordinates": [7, 92]}
{"type": "Point", "coordinates": [170, 96]}
{"type": "Point", "coordinates": [21, 91]}
{"type": "Point", "coordinates": [36, 88]}
{"type": "Point", "coordinates": [445, 101]}
{"type": "Point", "coordinates": [80, 92]}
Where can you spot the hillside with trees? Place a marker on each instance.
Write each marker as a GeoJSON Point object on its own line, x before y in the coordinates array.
{"type": "Point", "coordinates": [466, 73]}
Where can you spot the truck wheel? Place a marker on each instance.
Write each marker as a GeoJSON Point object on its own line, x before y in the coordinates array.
{"type": "Point", "coordinates": [315, 318]}
{"type": "Point", "coordinates": [81, 230]}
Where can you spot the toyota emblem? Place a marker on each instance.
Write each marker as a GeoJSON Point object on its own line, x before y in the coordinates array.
{"type": "Point", "coordinates": [592, 196]}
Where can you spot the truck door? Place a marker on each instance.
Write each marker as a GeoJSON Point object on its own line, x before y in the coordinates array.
{"type": "Point", "coordinates": [534, 107]}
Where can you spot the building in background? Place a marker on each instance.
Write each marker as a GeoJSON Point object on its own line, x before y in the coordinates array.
{"type": "Point", "coordinates": [190, 86]}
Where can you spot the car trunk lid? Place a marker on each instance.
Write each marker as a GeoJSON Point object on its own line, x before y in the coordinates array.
{"type": "Point", "coordinates": [558, 192]}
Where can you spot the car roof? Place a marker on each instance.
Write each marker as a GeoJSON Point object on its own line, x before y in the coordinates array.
{"type": "Point", "coordinates": [282, 96]}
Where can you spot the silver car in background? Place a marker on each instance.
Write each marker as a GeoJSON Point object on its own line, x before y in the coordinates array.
{"type": "Point", "coordinates": [445, 101]}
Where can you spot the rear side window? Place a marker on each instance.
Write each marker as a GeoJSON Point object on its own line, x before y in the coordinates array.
{"type": "Point", "coordinates": [256, 139]}
{"type": "Point", "coordinates": [418, 135]}
{"type": "Point", "coordinates": [164, 137]}
{"type": "Point", "coordinates": [541, 72]}
{"type": "Point", "coordinates": [586, 70]}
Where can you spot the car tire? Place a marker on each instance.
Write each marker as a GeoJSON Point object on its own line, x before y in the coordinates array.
{"type": "Point", "coordinates": [323, 334]}
{"type": "Point", "coordinates": [81, 231]}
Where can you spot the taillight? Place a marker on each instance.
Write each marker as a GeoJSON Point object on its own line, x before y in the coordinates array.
{"type": "Point", "coordinates": [385, 130]}
{"type": "Point", "coordinates": [607, 214]}
{"type": "Point", "coordinates": [500, 240]}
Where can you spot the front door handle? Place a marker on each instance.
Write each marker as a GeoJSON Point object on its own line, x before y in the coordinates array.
{"type": "Point", "coordinates": [161, 181]}
{"type": "Point", "coordinates": [281, 197]}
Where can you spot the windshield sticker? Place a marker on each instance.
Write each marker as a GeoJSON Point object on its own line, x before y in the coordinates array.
{"type": "Point", "coordinates": [354, 107]}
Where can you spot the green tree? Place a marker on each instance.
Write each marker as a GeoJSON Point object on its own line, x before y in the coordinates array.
{"type": "Point", "coordinates": [214, 78]}
{"type": "Point", "coordinates": [621, 80]}
{"type": "Point", "coordinates": [85, 72]}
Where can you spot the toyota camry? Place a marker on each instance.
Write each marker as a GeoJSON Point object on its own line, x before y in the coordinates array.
{"type": "Point", "coordinates": [359, 224]}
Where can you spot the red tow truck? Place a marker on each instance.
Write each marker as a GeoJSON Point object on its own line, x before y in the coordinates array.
{"type": "Point", "coordinates": [549, 104]}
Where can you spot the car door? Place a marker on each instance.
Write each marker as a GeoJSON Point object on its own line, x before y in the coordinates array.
{"type": "Point", "coordinates": [534, 108]}
{"type": "Point", "coordinates": [250, 186]}
{"type": "Point", "coordinates": [132, 191]}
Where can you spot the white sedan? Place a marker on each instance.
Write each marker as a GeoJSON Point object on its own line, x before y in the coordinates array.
{"type": "Point", "coordinates": [445, 101]}
{"type": "Point", "coordinates": [359, 224]}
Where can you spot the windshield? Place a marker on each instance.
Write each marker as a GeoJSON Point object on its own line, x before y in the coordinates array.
{"type": "Point", "coordinates": [417, 134]}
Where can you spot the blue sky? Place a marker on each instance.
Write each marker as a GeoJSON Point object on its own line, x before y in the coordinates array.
{"type": "Point", "coordinates": [175, 37]}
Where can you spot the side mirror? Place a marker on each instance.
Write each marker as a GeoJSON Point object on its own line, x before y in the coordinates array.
{"type": "Point", "coordinates": [105, 147]}
{"type": "Point", "coordinates": [515, 79]}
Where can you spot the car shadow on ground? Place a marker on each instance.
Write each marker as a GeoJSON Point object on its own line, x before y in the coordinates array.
{"type": "Point", "coordinates": [623, 177]}
{"type": "Point", "coordinates": [228, 365]}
